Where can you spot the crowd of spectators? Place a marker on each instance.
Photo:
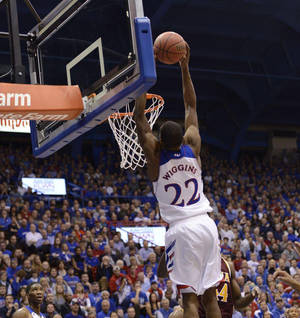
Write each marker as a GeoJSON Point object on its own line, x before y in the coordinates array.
{"type": "Point", "coordinates": [70, 245]}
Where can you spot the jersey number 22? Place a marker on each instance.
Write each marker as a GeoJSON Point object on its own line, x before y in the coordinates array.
{"type": "Point", "coordinates": [193, 199]}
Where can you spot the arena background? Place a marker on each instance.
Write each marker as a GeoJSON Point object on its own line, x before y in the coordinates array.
{"type": "Point", "coordinates": [245, 60]}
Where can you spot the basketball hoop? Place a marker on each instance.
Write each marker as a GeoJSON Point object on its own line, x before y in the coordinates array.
{"type": "Point", "coordinates": [124, 130]}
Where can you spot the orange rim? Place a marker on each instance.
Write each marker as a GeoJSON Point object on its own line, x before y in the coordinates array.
{"type": "Point", "coordinates": [148, 110]}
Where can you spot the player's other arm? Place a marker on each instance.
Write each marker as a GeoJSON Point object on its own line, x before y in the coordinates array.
{"type": "Point", "coordinates": [192, 136]}
{"type": "Point", "coordinates": [239, 301]}
{"type": "Point", "coordinates": [287, 279]}
{"type": "Point", "coordinates": [147, 140]}
{"type": "Point", "coordinates": [21, 313]}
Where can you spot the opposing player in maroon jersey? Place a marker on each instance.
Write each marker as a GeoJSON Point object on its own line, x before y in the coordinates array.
{"type": "Point", "coordinates": [228, 291]}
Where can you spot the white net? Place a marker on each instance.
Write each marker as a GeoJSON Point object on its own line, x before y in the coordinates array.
{"type": "Point", "coordinates": [124, 130]}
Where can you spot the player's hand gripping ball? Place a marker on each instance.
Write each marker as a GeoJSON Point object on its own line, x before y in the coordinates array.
{"type": "Point", "coordinates": [169, 47]}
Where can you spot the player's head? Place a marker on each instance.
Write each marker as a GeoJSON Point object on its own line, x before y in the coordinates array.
{"type": "Point", "coordinates": [171, 135]}
{"type": "Point", "coordinates": [35, 293]}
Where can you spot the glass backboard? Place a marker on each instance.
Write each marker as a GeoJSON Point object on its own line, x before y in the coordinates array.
{"type": "Point", "coordinates": [104, 47]}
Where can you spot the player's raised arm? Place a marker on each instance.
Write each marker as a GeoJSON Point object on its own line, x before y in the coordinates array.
{"type": "Point", "coordinates": [147, 140]}
{"type": "Point", "coordinates": [192, 135]}
{"type": "Point", "coordinates": [139, 117]}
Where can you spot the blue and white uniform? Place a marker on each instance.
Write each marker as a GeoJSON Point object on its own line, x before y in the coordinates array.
{"type": "Point", "coordinates": [34, 314]}
{"type": "Point", "coordinates": [192, 244]}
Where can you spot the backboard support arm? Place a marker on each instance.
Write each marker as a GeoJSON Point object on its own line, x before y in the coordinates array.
{"type": "Point", "coordinates": [18, 73]}
{"type": "Point", "coordinates": [58, 17]}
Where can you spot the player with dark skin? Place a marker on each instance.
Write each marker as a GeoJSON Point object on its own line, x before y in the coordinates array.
{"type": "Point", "coordinates": [287, 279]}
{"type": "Point", "coordinates": [35, 298]}
{"type": "Point", "coordinates": [152, 148]}
{"type": "Point", "coordinates": [238, 301]}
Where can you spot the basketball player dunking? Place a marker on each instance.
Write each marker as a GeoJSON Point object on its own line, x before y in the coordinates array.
{"type": "Point", "coordinates": [35, 295]}
{"type": "Point", "coordinates": [173, 164]}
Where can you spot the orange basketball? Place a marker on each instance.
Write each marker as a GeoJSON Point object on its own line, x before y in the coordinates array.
{"type": "Point", "coordinates": [169, 47]}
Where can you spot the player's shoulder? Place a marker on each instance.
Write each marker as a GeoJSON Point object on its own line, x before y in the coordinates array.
{"type": "Point", "coordinates": [189, 149]}
{"type": "Point", "coordinates": [154, 147]}
{"type": "Point", "coordinates": [192, 135]}
{"type": "Point", "coordinates": [22, 313]}
{"type": "Point", "coordinates": [192, 138]}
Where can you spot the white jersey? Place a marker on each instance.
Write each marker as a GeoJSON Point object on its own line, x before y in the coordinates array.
{"type": "Point", "coordinates": [179, 187]}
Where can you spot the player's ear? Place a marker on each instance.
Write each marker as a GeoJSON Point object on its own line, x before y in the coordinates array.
{"type": "Point", "coordinates": [161, 144]}
{"type": "Point", "coordinates": [159, 134]}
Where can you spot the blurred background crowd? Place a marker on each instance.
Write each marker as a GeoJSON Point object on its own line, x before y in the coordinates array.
{"type": "Point", "coordinates": [70, 244]}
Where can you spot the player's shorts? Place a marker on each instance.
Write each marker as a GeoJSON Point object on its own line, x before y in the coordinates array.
{"type": "Point", "coordinates": [193, 253]}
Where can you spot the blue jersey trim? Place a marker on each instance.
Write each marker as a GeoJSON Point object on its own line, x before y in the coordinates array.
{"type": "Point", "coordinates": [167, 155]}
{"type": "Point", "coordinates": [31, 311]}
